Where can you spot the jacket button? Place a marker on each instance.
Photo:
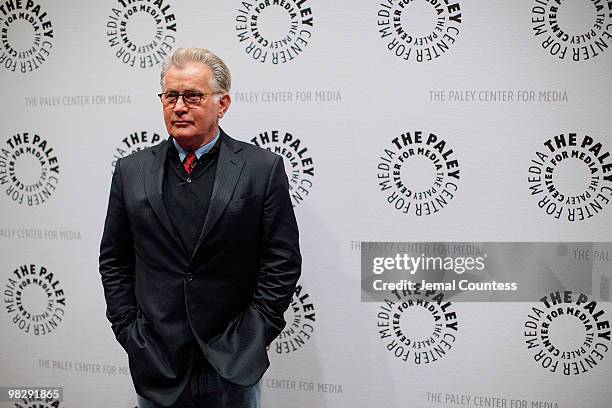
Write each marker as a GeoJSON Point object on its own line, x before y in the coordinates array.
{"type": "Point", "coordinates": [188, 180]}
{"type": "Point", "coordinates": [188, 277]}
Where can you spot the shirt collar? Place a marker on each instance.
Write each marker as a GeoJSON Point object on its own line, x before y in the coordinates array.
{"type": "Point", "coordinates": [199, 151]}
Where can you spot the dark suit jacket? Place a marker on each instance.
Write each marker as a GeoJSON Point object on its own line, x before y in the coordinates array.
{"type": "Point", "coordinates": [228, 297]}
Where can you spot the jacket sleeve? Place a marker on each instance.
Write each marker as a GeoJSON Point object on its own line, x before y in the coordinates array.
{"type": "Point", "coordinates": [280, 264]}
{"type": "Point", "coordinates": [117, 262]}
{"type": "Point", "coordinates": [239, 352]}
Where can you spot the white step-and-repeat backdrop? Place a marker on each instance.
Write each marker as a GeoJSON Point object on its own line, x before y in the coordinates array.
{"type": "Point", "coordinates": [517, 96]}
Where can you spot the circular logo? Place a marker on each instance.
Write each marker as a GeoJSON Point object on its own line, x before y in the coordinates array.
{"type": "Point", "coordinates": [34, 299]}
{"type": "Point", "coordinates": [301, 319]}
{"type": "Point", "coordinates": [27, 36]}
{"type": "Point", "coordinates": [418, 326]}
{"type": "Point", "coordinates": [419, 30]}
{"type": "Point", "coordinates": [29, 170]}
{"type": "Point", "coordinates": [571, 177]}
{"type": "Point", "coordinates": [141, 33]}
{"type": "Point", "coordinates": [274, 32]}
{"type": "Point", "coordinates": [135, 142]}
{"type": "Point", "coordinates": [298, 161]}
{"type": "Point", "coordinates": [567, 333]}
{"type": "Point", "coordinates": [572, 30]}
{"type": "Point", "coordinates": [419, 173]}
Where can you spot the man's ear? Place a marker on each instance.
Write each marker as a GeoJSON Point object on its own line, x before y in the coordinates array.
{"type": "Point", "coordinates": [224, 104]}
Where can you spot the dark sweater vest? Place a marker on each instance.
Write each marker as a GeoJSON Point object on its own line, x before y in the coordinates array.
{"type": "Point", "coordinates": [187, 196]}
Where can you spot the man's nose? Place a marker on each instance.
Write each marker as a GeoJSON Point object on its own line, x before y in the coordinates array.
{"type": "Point", "coordinates": [180, 106]}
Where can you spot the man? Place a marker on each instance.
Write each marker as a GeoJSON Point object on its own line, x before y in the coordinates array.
{"type": "Point", "coordinates": [200, 256]}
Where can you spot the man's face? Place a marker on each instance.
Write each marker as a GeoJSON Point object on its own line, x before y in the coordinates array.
{"type": "Point", "coordinates": [193, 126]}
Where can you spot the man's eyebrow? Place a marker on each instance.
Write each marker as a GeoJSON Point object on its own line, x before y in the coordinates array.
{"type": "Point", "coordinates": [186, 90]}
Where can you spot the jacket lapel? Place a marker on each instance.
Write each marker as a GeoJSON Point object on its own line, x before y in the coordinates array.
{"type": "Point", "coordinates": [154, 180]}
{"type": "Point", "coordinates": [229, 167]}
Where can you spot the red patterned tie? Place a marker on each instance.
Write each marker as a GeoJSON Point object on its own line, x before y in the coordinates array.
{"type": "Point", "coordinates": [190, 162]}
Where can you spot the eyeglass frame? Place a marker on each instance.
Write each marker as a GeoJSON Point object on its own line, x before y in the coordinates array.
{"type": "Point", "coordinates": [202, 95]}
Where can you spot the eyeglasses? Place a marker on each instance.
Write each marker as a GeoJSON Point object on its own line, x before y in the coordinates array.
{"type": "Point", "coordinates": [190, 98]}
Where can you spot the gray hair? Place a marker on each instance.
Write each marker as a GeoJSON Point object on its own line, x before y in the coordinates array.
{"type": "Point", "coordinates": [221, 79]}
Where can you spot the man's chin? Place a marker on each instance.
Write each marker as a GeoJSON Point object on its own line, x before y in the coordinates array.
{"type": "Point", "coordinates": [187, 140]}
{"type": "Point", "coordinates": [182, 133]}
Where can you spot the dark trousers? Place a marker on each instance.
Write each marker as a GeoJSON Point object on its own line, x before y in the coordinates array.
{"type": "Point", "coordinates": [207, 389]}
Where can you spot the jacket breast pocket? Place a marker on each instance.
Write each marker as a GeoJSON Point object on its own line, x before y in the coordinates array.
{"type": "Point", "coordinates": [241, 204]}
